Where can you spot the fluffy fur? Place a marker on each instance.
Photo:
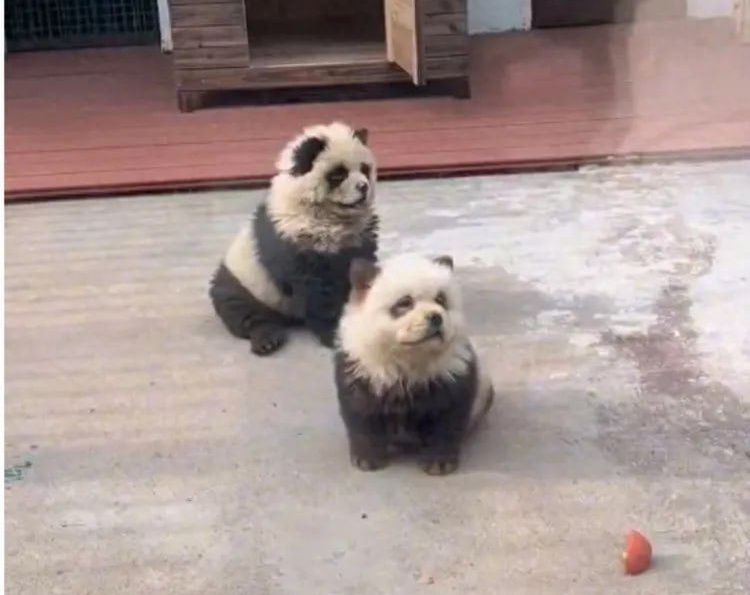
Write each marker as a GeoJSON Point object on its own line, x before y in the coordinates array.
{"type": "Point", "coordinates": [304, 206]}
{"type": "Point", "coordinates": [405, 370]}
{"type": "Point", "coordinates": [290, 264]}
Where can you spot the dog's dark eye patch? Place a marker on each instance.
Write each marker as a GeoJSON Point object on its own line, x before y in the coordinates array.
{"type": "Point", "coordinates": [366, 169]}
{"type": "Point", "coordinates": [402, 306]}
{"type": "Point", "coordinates": [336, 176]}
{"type": "Point", "coordinates": [305, 155]}
{"type": "Point", "coordinates": [441, 300]}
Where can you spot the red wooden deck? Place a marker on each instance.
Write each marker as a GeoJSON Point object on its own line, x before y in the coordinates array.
{"type": "Point", "coordinates": [105, 121]}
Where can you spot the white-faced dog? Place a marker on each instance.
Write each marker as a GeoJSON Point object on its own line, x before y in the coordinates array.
{"type": "Point", "coordinates": [290, 264]}
{"type": "Point", "coordinates": [405, 370]}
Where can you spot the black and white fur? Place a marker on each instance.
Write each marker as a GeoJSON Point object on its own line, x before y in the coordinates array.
{"type": "Point", "coordinates": [406, 372]}
{"type": "Point", "coordinates": [290, 264]}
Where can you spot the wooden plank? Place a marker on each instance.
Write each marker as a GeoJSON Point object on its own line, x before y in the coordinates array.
{"type": "Point", "coordinates": [205, 37]}
{"type": "Point", "coordinates": [446, 45]}
{"type": "Point", "coordinates": [430, 7]}
{"type": "Point", "coordinates": [404, 37]}
{"type": "Point", "coordinates": [259, 153]}
{"type": "Point", "coordinates": [289, 76]}
{"type": "Point", "coordinates": [446, 67]}
{"type": "Point", "coordinates": [216, 57]}
{"type": "Point", "coordinates": [445, 24]}
{"type": "Point", "coordinates": [207, 15]}
{"type": "Point", "coordinates": [166, 132]}
{"type": "Point", "coordinates": [391, 143]}
{"type": "Point", "coordinates": [270, 76]}
{"type": "Point", "coordinates": [154, 127]}
{"type": "Point", "coordinates": [302, 50]}
{"type": "Point", "coordinates": [475, 162]}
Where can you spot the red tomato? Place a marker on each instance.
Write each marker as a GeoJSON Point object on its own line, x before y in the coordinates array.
{"type": "Point", "coordinates": [637, 554]}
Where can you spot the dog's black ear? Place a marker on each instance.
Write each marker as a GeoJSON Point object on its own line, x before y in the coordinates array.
{"type": "Point", "coordinates": [362, 134]}
{"type": "Point", "coordinates": [445, 261]}
{"type": "Point", "coordinates": [362, 272]}
{"type": "Point", "coordinates": [305, 155]}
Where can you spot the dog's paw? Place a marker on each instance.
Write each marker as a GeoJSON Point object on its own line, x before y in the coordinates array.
{"type": "Point", "coordinates": [442, 466]}
{"type": "Point", "coordinates": [267, 340]}
{"type": "Point", "coordinates": [369, 463]}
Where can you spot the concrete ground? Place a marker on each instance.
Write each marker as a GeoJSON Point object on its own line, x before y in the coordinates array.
{"type": "Point", "coordinates": [148, 452]}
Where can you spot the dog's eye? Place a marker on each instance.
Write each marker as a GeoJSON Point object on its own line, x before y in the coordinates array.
{"type": "Point", "coordinates": [366, 169]}
{"type": "Point", "coordinates": [441, 300]}
{"type": "Point", "coordinates": [336, 176]}
{"type": "Point", "coordinates": [404, 302]}
{"type": "Point", "coordinates": [402, 306]}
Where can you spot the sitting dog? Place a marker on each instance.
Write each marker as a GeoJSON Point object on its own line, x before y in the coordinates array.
{"type": "Point", "coordinates": [290, 264]}
{"type": "Point", "coordinates": [406, 373]}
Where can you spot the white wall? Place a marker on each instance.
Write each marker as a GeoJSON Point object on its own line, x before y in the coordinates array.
{"type": "Point", "coordinates": [706, 9]}
{"type": "Point", "coordinates": [165, 25]}
{"type": "Point", "coordinates": [499, 15]}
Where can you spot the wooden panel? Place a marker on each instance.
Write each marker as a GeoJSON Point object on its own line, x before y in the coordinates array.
{"type": "Point", "coordinates": [448, 67]}
{"type": "Point", "coordinates": [217, 57]}
{"type": "Point", "coordinates": [207, 15]}
{"type": "Point", "coordinates": [299, 50]}
{"type": "Point", "coordinates": [445, 24]}
{"type": "Point", "coordinates": [311, 75]}
{"type": "Point", "coordinates": [403, 30]}
{"type": "Point", "coordinates": [446, 45]}
{"type": "Point", "coordinates": [443, 6]}
{"type": "Point", "coordinates": [289, 76]}
{"type": "Point", "coordinates": [206, 37]}
{"type": "Point", "coordinates": [445, 29]}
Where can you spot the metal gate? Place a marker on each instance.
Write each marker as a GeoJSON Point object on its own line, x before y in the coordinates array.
{"type": "Point", "coordinates": [57, 24]}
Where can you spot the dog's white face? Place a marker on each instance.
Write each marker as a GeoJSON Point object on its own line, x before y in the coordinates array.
{"type": "Point", "coordinates": [404, 315]}
{"type": "Point", "coordinates": [414, 304]}
{"type": "Point", "coordinates": [328, 167]}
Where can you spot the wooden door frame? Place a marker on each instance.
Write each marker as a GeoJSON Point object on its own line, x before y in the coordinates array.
{"type": "Point", "coordinates": [416, 69]}
{"type": "Point", "coordinates": [165, 26]}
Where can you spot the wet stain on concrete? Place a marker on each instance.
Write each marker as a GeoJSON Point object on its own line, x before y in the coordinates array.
{"type": "Point", "coordinates": [16, 473]}
{"type": "Point", "coordinates": [680, 417]}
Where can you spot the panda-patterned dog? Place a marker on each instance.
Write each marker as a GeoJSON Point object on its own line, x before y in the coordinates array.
{"type": "Point", "coordinates": [405, 370]}
{"type": "Point", "coordinates": [290, 264]}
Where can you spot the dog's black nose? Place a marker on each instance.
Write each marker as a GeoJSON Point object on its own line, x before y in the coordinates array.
{"type": "Point", "coordinates": [435, 320]}
{"type": "Point", "coordinates": [362, 188]}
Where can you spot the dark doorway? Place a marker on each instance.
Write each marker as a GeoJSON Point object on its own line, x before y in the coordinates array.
{"type": "Point", "coordinates": [570, 13]}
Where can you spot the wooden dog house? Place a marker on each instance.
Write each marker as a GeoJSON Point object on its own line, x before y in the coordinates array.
{"type": "Point", "coordinates": [273, 44]}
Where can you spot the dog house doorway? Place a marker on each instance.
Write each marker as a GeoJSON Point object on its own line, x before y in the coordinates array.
{"type": "Point", "coordinates": [309, 32]}
{"type": "Point", "coordinates": [328, 32]}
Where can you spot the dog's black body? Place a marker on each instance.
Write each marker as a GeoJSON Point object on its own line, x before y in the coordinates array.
{"type": "Point", "coordinates": [316, 283]}
{"type": "Point", "coordinates": [432, 417]}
